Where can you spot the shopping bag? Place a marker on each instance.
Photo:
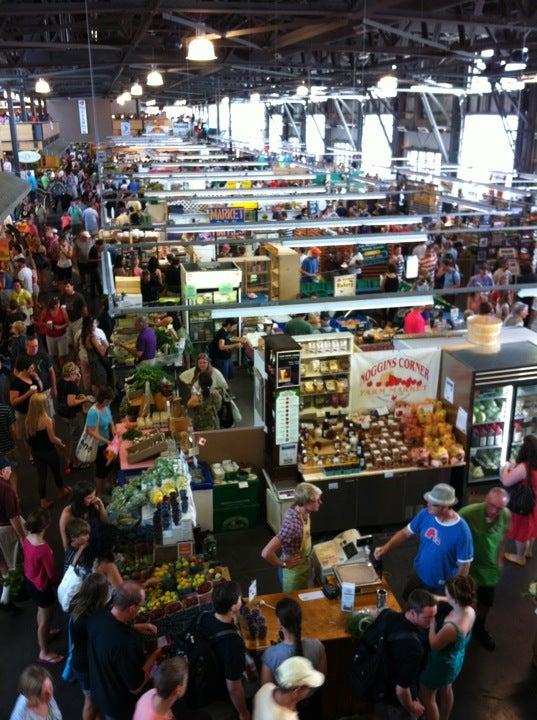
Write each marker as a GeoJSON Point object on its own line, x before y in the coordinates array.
{"type": "Point", "coordinates": [236, 413]}
{"type": "Point", "coordinates": [69, 586]}
{"type": "Point", "coordinates": [86, 449]}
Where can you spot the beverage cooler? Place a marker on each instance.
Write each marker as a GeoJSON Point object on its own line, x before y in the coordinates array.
{"type": "Point", "coordinates": [492, 401]}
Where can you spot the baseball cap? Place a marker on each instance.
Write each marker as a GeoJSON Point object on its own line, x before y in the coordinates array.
{"type": "Point", "coordinates": [441, 494]}
{"type": "Point", "coordinates": [298, 672]}
{"type": "Point", "coordinates": [315, 251]}
{"type": "Point", "coordinates": [4, 462]}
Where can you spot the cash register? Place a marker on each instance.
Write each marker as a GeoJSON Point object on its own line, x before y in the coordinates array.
{"type": "Point", "coordinates": [347, 557]}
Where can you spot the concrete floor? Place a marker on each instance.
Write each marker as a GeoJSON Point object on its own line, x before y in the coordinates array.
{"type": "Point", "coordinates": [493, 686]}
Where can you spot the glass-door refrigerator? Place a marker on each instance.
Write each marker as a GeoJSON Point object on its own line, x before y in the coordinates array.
{"type": "Point", "coordinates": [492, 401]}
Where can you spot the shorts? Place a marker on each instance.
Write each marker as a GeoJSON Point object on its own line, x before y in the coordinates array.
{"type": "Point", "coordinates": [414, 582]}
{"type": "Point", "coordinates": [9, 546]}
{"type": "Point", "coordinates": [83, 680]}
{"type": "Point", "coordinates": [485, 595]}
{"type": "Point", "coordinates": [58, 346]}
{"type": "Point", "coordinates": [43, 598]}
{"type": "Point", "coordinates": [72, 330]}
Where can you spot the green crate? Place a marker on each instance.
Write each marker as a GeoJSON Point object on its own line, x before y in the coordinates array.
{"type": "Point", "coordinates": [239, 516]}
{"type": "Point", "coordinates": [240, 491]}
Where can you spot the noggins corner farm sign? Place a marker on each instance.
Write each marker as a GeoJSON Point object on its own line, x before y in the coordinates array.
{"type": "Point", "coordinates": [382, 378]}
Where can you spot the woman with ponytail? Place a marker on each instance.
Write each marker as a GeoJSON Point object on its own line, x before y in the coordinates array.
{"type": "Point", "coordinates": [289, 616]}
{"type": "Point", "coordinates": [205, 404]}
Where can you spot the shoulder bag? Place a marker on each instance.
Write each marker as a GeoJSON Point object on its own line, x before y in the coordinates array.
{"type": "Point", "coordinates": [86, 449]}
{"type": "Point", "coordinates": [522, 497]}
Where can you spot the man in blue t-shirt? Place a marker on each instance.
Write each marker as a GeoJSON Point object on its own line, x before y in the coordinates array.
{"type": "Point", "coordinates": [446, 547]}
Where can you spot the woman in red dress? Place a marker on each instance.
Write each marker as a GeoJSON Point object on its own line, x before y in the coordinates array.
{"type": "Point", "coordinates": [523, 528]}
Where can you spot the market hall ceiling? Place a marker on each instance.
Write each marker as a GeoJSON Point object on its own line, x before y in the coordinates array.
{"type": "Point", "coordinates": [266, 46]}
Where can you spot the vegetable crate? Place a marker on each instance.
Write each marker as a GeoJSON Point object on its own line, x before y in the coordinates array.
{"type": "Point", "coordinates": [232, 493]}
{"type": "Point", "coordinates": [146, 447]}
{"type": "Point", "coordinates": [235, 516]}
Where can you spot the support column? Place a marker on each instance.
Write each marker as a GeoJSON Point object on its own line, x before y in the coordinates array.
{"type": "Point", "coordinates": [344, 124]}
{"type": "Point", "coordinates": [32, 104]}
{"type": "Point", "coordinates": [218, 119]}
{"type": "Point", "coordinates": [302, 128]}
{"type": "Point", "coordinates": [266, 132]}
{"type": "Point", "coordinates": [526, 146]}
{"type": "Point", "coordinates": [434, 126]}
{"type": "Point", "coordinates": [24, 116]}
{"type": "Point", "coordinates": [13, 132]}
{"type": "Point", "coordinates": [399, 107]}
{"type": "Point", "coordinates": [455, 130]}
{"type": "Point", "coordinates": [137, 106]}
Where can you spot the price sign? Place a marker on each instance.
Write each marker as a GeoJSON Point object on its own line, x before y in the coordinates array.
{"type": "Point", "coordinates": [344, 285]}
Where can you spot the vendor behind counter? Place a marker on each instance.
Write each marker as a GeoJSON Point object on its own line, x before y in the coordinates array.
{"type": "Point", "coordinates": [293, 541]}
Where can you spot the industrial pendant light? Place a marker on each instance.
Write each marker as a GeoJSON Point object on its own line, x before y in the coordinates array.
{"type": "Point", "coordinates": [388, 85]}
{"type": "Point", "coordinates": [127, 96]}
{"type": "Point", "coordinates": [154, 78]}
{"type": "Point", "coordinates": [42, 87]}
{"type": "Point", "coordinates": [136, 89]}
{"type": "Point", "coordinates": [120, 100]}
{"type": "Point", "coordinates": [302, 90]}
{"type": "Point", "coordinates": [201, 48]}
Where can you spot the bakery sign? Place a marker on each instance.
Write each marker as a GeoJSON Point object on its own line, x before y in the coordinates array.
{"type": "Point", "coordinates": [226, 214]}
{"type": "Point", "coordinates": [382, 378]}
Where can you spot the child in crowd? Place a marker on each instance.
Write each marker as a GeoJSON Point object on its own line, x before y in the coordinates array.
{"type": "Point", "coordinates": [170, 681]}
{"type": "Point", "coordinates": [78, 534]}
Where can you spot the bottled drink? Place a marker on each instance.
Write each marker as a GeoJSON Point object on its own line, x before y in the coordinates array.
{"type": "Point", "coordinates": [499, 435]}
{"type": "Point", "coordinates": [491, 434]}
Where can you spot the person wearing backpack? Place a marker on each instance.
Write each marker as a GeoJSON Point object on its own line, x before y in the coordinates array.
{"type": "Point", "coordinates": [220, 630]}
{"type": "Point", "coordinates": [390, 657]}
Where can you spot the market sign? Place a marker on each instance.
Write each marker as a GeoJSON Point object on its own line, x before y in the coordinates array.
{"type": "Point", "coordinates": [29, 156]}
{"type": "Point", "coordinates": [374, 254]}
{"type": "Point", "coordinates": [379, 379]}
{"type": "Point", "coordinates": [344, 285]}
{"type": "Point", "coordinates": [226, 215]}
{"type": "Point", "coordinates": [83, 117]}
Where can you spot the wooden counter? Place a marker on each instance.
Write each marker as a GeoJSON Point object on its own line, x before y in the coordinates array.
{"type": "Point", "coordinates": [322, 619]}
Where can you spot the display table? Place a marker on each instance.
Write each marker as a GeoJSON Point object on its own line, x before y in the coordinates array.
{"type": "Point", "coordinates": [322, 619]}
{"type": "Point", "coordinates": [126, 467]}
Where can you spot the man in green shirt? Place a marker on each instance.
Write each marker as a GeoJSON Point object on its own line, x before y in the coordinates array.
{"type": "Point", "coordinates": [488, 522]}
{"type": "Point", "coordinates": [298, 325]}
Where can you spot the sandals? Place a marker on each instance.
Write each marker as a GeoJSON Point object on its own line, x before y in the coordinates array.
{"type": "Point", "coordinates": [51, 659]}
{"type": "Point", "coordinates": [515, 559]}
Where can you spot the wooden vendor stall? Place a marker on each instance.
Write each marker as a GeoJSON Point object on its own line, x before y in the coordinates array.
{"type": "Point", "coordinates": [322, 619]}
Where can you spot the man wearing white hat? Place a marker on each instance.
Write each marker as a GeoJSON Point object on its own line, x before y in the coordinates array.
{"type": "Point", "coordinates": [446, 546]}
{"type": "Point", "coordinates": [296, 678]}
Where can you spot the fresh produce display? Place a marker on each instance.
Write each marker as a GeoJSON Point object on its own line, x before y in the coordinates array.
{"type": "Point", "coordinates": [166, 340]}
{"type": "Point", "coordinates": [255, 622]}
{"type": "Point", "coordinates": [164, 477]}
{"type": "Point", "coordinates": [131, 434]}
{"type": "Point", "coordinates": [180, 584]}
{"type": "Point", "coordinates": [152, 374]}
{"type": "Point", "coordinates": [486, 464]}
{"type": "Point", "coordinates": [488, 410]}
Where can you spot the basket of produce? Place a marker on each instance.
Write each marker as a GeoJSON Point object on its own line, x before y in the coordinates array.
{"type": "Point", "coordinates": [147, 446]}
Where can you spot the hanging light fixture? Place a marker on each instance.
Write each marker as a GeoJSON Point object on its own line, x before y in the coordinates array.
{"type": "Point", "coordinates": [201, 48]}
{"type": "Point", "coordinates": [302, 90]}
{"type": "Point", "coordinates": [120, 100]}
{"type": "Point", "coordinates": [387, 85]}
{"type": "Point", "coordinates": [154, 78]}
{"type": "Point", "coordinates": [255, 97]}
{"type": "Point", "coordinates": [42, 87]}
{"type": "Point", "coordinates": [136, 89]}
{"type": "Point", "coordinates": [518, 60]}
{"type": "Point", "coordinates": [127, 96]}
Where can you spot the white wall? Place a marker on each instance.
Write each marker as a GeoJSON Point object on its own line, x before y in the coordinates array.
{"type": "Point", "coordinates": [65, 111]}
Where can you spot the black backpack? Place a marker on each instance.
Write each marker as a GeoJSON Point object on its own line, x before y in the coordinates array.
{"type": "Point", "coordinates": [205, 678]}
{"type": "Point", "coordinates": [371, 665]}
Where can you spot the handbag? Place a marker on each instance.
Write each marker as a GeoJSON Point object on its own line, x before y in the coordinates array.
{"type": "Point", "coordinates": [69, 586]}
{"type": "Point", "coordinates": [86, 448]}
{"type": "Point", "coordinates": [521, 498]}
{"type": "Point", "coordinates": [236, 413]}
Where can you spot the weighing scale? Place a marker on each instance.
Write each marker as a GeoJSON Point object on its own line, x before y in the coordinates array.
{"type": "Point", "coordinates": [347, 548]}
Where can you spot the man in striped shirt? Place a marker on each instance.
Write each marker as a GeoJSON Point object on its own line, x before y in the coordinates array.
{"type": "Point", "coordinates": [428, 263]}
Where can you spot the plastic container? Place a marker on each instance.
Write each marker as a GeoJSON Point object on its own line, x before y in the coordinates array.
{"type": "Point", "coordinates": [484, 330]}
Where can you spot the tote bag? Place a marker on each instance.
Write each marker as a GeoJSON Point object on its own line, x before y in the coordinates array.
{"type": "Point", "coordinates": [86, 449]}
{"type": "Point", "coordinates": [69, 586]}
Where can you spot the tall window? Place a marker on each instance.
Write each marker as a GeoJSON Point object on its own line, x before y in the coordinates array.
{"type": "Point", "coordinates": [248, 123]}
{"type": "Point", "coordinates": [376, 149]}
{"type": "Point", "coordinates": [315, 134]}
{"type": "Point", "coordinates": [486, 147]}
{"type": "Point", "coordinates": [425, 161]}
{"type": "Point", "coordinates": [275, 132]}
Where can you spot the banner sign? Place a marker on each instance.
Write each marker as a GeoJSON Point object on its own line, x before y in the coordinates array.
{"type": "Point", "coordinates": [382, 378]}
{"type": "Point", "coordinates": [226, 215]}
{"type": "Point", "coordinates": [374, 254]}
{"type": "Point", "coordinates": [344, 285]}
{"type": "Point", "coordinates": [83, 117]}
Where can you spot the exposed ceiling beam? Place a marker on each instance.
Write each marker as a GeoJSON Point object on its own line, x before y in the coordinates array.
{"type": "Point", "coordinates": [475, 20]}
{"type": "Point", "coordinates": [307, 32]}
